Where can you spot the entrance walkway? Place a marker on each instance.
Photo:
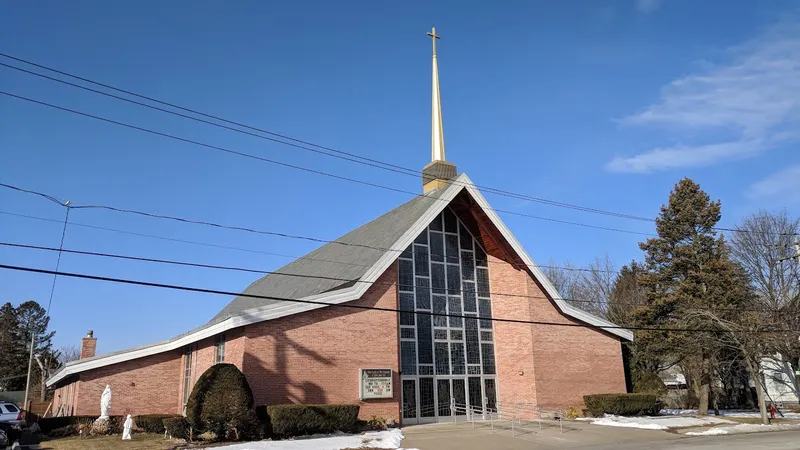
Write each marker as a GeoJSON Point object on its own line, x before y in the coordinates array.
{"type": "Point", "coordinates": [462, 436]}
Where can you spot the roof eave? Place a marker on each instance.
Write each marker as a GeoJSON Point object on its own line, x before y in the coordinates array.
{"type": "Point", "coordinates": [271, 312]}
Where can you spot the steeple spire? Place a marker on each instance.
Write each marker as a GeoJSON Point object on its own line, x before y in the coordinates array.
{"type": "Point", "coordinates": [437, 131]}
{"type": "Point", "coordinates": [438, 172]}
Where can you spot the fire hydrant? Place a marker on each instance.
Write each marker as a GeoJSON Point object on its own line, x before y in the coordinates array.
{"type": "Point", "coordinates": [772, 411]}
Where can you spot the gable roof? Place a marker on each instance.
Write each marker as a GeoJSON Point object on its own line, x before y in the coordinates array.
{"type": "Point", "coordinates": [346, 258]}
{"type": "Point", "coordinates": [361, 255]}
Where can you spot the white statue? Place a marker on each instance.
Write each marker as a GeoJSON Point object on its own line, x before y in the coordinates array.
{"type": "Point", "coordinates": [126, 430]}
{"type": "Point", "coordinates": [105, 402]}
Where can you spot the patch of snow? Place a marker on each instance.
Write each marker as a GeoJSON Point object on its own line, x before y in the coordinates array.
{"type": "Point", "coordinates": [656, 422]}
{"type": "Point", "coordinates": [745, 428]}
{"type": "Point", "coordinates": [677, 412]}
{"type": "Point", "coordinates": [728, 412]}
{"type": "Point", "coordinates": [712, 432]}
{"type": "Point", "coordinates": [390, 439]}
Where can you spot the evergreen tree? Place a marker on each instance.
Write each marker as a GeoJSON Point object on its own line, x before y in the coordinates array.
{"type": "Point", "coordinates": [687, 269]}
{"type": "Point", "coordinates": [12, 350]}
{"type": "Point", "coordinates": [16, 326]}
{"type": "Point", "coordinates": [33, 318]}
{"type": "Point", "coordinates": [626, 295]}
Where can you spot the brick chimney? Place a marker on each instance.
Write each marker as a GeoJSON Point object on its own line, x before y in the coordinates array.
{"type": "Point", "coordinates": [88, 345]}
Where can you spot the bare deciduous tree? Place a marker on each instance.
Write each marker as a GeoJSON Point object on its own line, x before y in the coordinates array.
{"type": "Point", "coordinates": [763, 247]}
{"type": "Point", "coordinates": [588, 289]}
{"type": "Point", "coordinates": [68, 353]}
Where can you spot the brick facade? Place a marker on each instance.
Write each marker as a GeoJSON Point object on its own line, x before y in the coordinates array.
{"type": "Point", "coordinates": [141, 386]}
{"type": "Point", "coordinates": [572, 361]}
{"type": "Point", "coordinates": [551, 366]}
{"type": "Point", "coordinates": [314, 357]}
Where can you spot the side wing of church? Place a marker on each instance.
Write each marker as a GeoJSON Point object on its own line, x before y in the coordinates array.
{"type": "Point", "coordinates": [479, 326]}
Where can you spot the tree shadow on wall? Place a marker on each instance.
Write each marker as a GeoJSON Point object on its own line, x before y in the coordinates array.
{"type": "Point", "coordinates": [268, 374]}
{"type": "Point", "coordinates": [282, 369]}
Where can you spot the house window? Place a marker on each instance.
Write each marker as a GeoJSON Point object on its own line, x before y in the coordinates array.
{"type": "Point", "coordinates": [187, 375]}
{"type": "Point", "coordinates": [219, 342]}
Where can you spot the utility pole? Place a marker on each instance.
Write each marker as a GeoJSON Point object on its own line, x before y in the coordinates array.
{"type": "Point", "coordinates": [33, 330]}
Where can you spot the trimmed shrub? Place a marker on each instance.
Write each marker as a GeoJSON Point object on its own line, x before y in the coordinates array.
{"type": "Point", "coordinates": [263, 419]}
{"type": "Point", "coordinates": [649, 383]}
{"type": "Point", "coordinates": [246, 427]}
{"type": "Point", "coordinates": [298, 420]}
{"type": "Point", "coordinates": [177, 427]}
{"type": "Point", "coordinates": [622, 404]}
{"type": "Point", "coordinates": [221, 402]}
{"type": "Point", "coordinates": [67, 431]}
{"type": "Point", "coordinates": [152, 423]}
{"type": "Point", "coordinates": [51, 423]}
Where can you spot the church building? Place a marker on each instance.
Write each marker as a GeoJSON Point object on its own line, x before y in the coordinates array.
{"type": "Point", "coordinates": [433, 304]}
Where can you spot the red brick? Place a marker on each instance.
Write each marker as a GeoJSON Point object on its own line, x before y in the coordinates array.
{"type": "Point", "coordinates": [314, 357]}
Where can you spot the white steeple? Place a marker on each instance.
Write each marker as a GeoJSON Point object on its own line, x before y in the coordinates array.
{"type": "Point", "coordinates": [437, 131]}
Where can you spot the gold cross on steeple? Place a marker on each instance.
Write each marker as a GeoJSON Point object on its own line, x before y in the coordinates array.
{"type": "Point", "coordinates": [434, 37]}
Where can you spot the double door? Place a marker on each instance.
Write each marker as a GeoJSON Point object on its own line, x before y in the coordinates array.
{"type": "Point", "coordinates": [427, 399]}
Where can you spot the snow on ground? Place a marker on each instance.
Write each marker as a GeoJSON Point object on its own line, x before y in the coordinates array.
{"type": "Point", "coordinates": [729, 413]}
{"type": "Point", "coordinates": [377, 439]}
{"type": "Point", "coordinates": [745, 428]}
{"type": "Point", "coordinates": [655, 423]}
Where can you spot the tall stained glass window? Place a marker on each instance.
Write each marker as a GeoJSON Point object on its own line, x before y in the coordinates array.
{"type": "Point", "coordinates": [444, 359]}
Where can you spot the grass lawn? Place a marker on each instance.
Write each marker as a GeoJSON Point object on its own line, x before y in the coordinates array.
{"type": "Point", "coordinates": [139, 442]}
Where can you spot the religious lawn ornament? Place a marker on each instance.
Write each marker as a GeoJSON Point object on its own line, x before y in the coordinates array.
{"type": "Point", "coordinates": [126, 430]}
{"type": "Point", "coordinates": [105, 402]}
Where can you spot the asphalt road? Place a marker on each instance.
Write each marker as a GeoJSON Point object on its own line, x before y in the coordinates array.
{"type": "Point", "coordinates": [778, 440]}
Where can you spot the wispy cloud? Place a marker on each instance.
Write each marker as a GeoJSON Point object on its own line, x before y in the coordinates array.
{"type": "Point", "coordinates": [755, 97]}
{"type": "Point", "coordinates": [647, 6]}
{"type": "Point", "coordinates": [783, 184]}
{"type": "Point", "coordinates": [683, 156]}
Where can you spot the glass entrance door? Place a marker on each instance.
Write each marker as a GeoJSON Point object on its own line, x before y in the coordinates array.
{"type": "Point", "coordinates": [440, 399]}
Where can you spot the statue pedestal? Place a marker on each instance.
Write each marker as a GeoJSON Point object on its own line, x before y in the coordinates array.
{"type": "Point", "coordinates": [101, 426]}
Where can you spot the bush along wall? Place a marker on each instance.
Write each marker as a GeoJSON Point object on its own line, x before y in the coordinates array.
{"type": "Point", "coordinates": [622, 404]}
{"type": "Point", "coordinates": [177, 427]}
{"type": "Point", "coordinates": [222, 403]}
{"type": "Point", "coordinates": [298, 420]}
{"type": "Point", "coordinates": [153, 423]}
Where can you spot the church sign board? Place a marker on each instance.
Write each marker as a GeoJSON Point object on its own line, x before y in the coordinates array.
{"type": "Point", "coordinates": [376, 383]}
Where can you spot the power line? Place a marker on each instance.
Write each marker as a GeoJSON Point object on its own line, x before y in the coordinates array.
{"type": "Point", "coordinates": [60, 249]}
{"type": "Point", "coordinates": [352, 305]}
{"type": "Point", "coordinates": [404, 287]}
{"type": "Point", "coordinates": [49, 302]}
{"type": "Point", "coordinates": [295, 257]}
{"type": "Point", "coordinates": [296, 167]}
{"type": "Point", "coordinates": [336, 153]}
{"type": "Point", "coordinates": [217, 225]}
{"type": "Point", "coordinates": [183, 241]}
{"type": "Point", "coordinates": [320, 149]}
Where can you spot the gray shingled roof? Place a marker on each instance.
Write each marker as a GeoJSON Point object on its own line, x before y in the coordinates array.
{"type": "Point", "coordinates": [334, 260]}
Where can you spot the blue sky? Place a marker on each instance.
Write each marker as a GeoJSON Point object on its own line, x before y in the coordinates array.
{"type": "Point", "coordinates": [599, 103]}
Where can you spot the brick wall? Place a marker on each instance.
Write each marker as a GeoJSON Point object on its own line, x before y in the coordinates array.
{"type": "Point", "coordinates": [146, 385]}
{"type": "Point", "coordinates": [513, 341]}
{"type": "Point", "coordinates": [314, 357]}
{"type": "Point", "coordinates": [559, 365]}
{"type": "Point", "coordinates": [572, 361]}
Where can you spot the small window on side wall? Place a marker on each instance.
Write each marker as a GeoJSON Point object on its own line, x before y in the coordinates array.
{"type": "Point", "coordinates": [219, 343]}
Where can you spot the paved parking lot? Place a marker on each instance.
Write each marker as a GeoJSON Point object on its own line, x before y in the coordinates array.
{"type": "Point", "coordinates": [461, 436]}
